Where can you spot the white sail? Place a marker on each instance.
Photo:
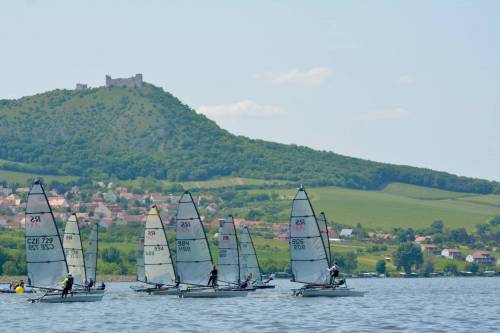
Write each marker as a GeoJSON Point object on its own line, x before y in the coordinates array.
{"type": "Point", "coordinates": [91, 254]}
{"type": "Point", "coordinates": [307, 252]}
{"type": "Point", "coordinates": [324, 235]}
{"type": "Point", "coordinates": [249, 264]}
{"type": "Point", "coordinates": [141, 276]}
{"type": "Point", "coordinates": [158, 266]}
{"type": "Point", "coordinates": [46, 263]}
{"type": "Point", "coordinates": [73, 250]}
{"type": "Point", "coordinates": [228, 264]}
{"type": "Point", "coordinates": [194, 261]}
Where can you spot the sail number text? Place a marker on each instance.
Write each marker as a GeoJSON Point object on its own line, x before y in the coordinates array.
{"type": "Point", "coordinates": [183, 245]}
{"type": "Point", "coordinates": [40, 243]}
{"type": "Point", "coordinates": [298, 244]}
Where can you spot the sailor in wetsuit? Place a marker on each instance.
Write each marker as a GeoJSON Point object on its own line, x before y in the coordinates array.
{"type": "Point", "coordinates": [212, 281]}
{"type": "Point", "coordinates": [68, 285]}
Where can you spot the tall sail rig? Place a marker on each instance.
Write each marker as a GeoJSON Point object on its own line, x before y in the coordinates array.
{"type": "Point", "coordinates": [194, 260]}
{"type": "Point", "coordinates": [323, 228]}
{"type": "Point", "coordinates": [141, 276]}
{"type": "Point", "coordinates": [249, 264]}
{"type": "Point", "coordinates": [91, 254]}
{"type": "Point", "coordinates": [308, 256]}
{"type": "Point", "coordinates": [158, 265]}
{"type": "Point", "coordinates": [73, 249]}
{"type": "Point", "coordinates": [46, 262]}
{"type": "Point", "coordinates": [229, 262]}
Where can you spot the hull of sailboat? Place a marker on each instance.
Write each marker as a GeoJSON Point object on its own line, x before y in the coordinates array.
{"type": "Point", "coordinates": [328, 292]}
{"type": "Point", "coordinates": [163, 291]}
{"type": "Point", "coordinates": [140, 289]}
{"type": "Point", "coordinates": [213, 293]}
{"type": "Point", "coordinates": [264, 286]}
{"type": "Point", "coordinates": [92, 296]}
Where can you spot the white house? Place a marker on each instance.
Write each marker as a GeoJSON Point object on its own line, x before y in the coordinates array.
{"type": "Point", "coordinates": [452, 254]}
{"type": "Point", "coordinates": [481, 257]}
{"type": "Point", "coordinates": [346, 233]}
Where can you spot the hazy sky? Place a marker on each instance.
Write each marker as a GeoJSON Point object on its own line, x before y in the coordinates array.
{"type": "Point", "coordinates": [414, 83]}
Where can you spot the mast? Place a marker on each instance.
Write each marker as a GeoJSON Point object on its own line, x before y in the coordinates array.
{"type": "Point", "coordinates": [140, 259]}
{"type": "Point", "coordinates": [308, 256]}
{"type": "Point", "coordinates": [45, 258]}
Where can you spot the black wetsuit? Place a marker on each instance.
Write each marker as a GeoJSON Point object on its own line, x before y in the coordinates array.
{"type": "Point", "coordinates": [68, 285]}
{"type": "Point", "coordinates": [212, 281]}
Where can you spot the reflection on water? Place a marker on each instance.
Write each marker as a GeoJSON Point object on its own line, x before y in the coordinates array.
{"type": "Point", "coordinates": [430, 305]}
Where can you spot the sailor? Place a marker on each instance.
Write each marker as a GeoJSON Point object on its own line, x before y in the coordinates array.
{"type": "Point", "coordinates": [90, 284]}
{"type": "Point", "coordinates": [68, 285]}
{"type": "Point", "coordinates": [334, 272]}
{"type": "Point", "coordinates": [102, 286]}
{"type": "Point", "coordinates": [244, 284]}
{"type": "Point", "coordinates": [212, 281]}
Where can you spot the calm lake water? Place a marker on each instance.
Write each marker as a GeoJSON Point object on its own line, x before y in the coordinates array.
{"type": "Point", "coordinates": [411, 305]}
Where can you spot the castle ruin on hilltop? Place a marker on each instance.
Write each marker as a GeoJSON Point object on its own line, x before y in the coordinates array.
{"type": "Point", "coordinates": [131, 82]}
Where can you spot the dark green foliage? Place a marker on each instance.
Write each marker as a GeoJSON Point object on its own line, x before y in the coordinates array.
{"type": "Point", "coordinates": [451, 268]}
{"type": "Point", "coordinates": [471, 267]}
{"type": "Point", "coordinates": [408, 255]}
{"type": "Point", "coordinates": [347, 262]}
{"type": "Point", "coordinates": [380, 267]}
{"type": "Point", "coordinates": [128, 133]}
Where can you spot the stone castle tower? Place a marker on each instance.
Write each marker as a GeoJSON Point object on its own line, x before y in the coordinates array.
{"type": "Point", "coordinates": [131, 82]}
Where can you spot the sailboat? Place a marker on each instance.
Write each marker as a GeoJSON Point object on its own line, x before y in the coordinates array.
{"type": "Point", "coordinates": [249, 263]}
{"type": "Point", "coordinates": [194, 260]}
{"type": "Point", "coordinates": [45, 257]}
{"type": "Point", "coordinates": [73, 249]}
{"type": "Point", "coordinates": [229, 257]}
{"type": "Point", "coordinates": [91, 259]}
{"type": "Point", "coordinates": [308, 254]}
{"type": "Point", "coordinates": [158, 266]}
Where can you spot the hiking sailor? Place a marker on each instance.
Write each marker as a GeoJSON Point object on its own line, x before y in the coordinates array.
{"type": "Point", "coordinates": [212, 281]}
{"type": "Point", "coordinates": [68, 285]}
{"type": "Point", "coordinates": [334, 272]}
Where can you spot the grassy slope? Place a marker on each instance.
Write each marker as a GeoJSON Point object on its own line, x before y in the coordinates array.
{"type": "Point", "coordinates": [24, 177]}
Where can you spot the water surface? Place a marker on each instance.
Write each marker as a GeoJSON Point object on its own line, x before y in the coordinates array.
{"type": "Point", "coordinates": [404, 305]}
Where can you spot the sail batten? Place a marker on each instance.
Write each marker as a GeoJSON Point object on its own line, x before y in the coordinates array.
{"type": "Point", "coordinates": [158, 265]}
{"type": "Point", "coordinates": [308, 255]}
{"type": "Point", "coordinates": [45, 259]}
{"type": "Point", "coordinates": [194, 260]}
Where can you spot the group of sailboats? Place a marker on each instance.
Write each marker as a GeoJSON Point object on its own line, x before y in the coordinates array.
{"type": "Point", "coordinates": [188, 277]}
{"type": "Point", "coordinates": [310, 255]}
{"type": "Point", "coordinates": [51, 259]}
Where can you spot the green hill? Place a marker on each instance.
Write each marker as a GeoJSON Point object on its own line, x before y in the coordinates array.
{"type": "Point", "coordinates": [146, 132]}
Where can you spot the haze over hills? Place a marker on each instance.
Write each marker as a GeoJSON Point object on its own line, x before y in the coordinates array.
{"type": "Point", "coordinates": [127, 132]}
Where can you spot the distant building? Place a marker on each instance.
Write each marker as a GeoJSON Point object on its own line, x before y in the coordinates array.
{"type": "Point", "coordinates": [346, 233]}
{"type": "Point", "coordinates": [481, 257]}
{"type": "Point", "coordinates": [131, 82]}
{"type": "Point", "coordinates": [421, 239]}
{"type": "Point", "coordinates": [81, 86]}
{"type": "Point", "coordinates": [430, 249]}
{"type": "Point", "coordinates": [452, 254]}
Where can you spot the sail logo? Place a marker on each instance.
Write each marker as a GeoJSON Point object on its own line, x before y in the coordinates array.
{"type": "Point", "coordinates": [150, 234]}
{"type": "Point", "coordinates": [34, 221]}
{"type": "Point", "coordinates": [299, 225]}
{"type": "Point", "coordinates": [184, 226]}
